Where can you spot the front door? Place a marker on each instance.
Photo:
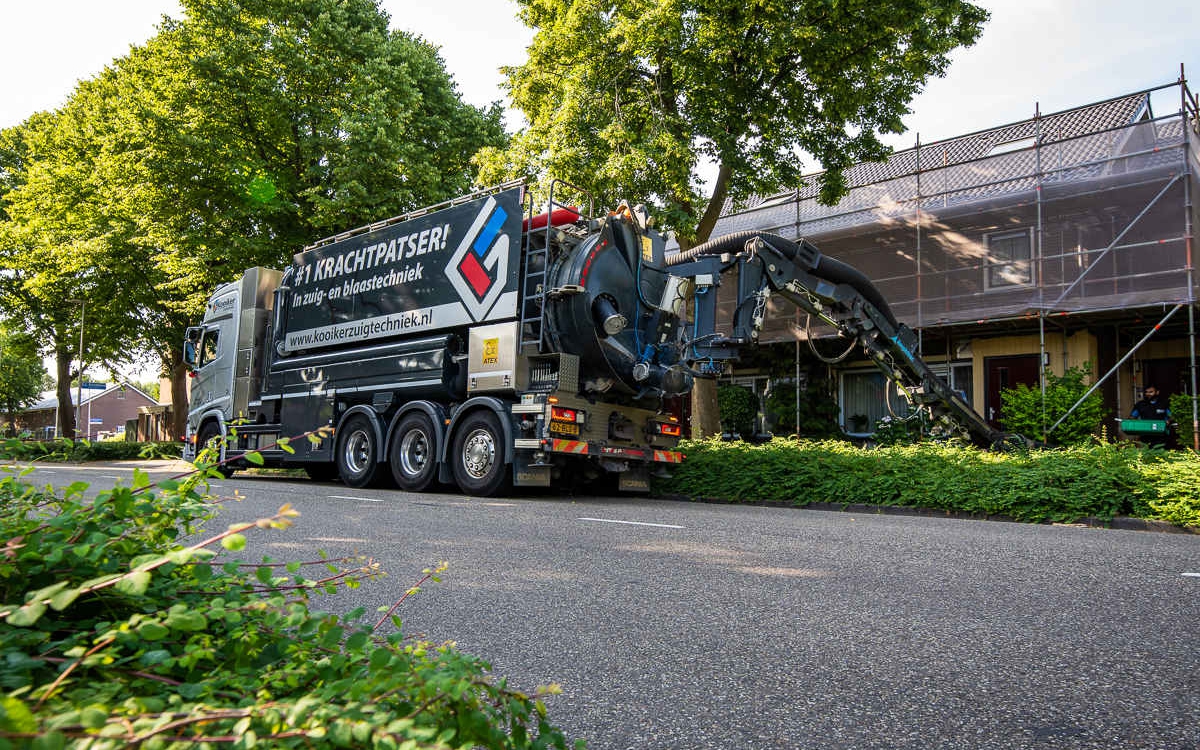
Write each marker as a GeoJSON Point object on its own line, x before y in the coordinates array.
{"type": "Point", "coordinates": [1006, 372]}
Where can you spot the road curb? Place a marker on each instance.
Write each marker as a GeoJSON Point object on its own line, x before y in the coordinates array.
{"type": "Point", "coordinates": [1123, 523]}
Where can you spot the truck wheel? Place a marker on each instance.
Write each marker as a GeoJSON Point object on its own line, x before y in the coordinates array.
{"type": "Point", "coordinates": [478, 455]}
{"type": "Point", "coordinates": [209, 432]}
{"type": "Point", "coordinates": [356, 452]}
{"type": "Point", "coordinates": [413, 456]}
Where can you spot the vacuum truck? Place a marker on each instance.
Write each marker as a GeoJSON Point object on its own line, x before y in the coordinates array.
{"type": "Point", "coordinates": [475, 343]}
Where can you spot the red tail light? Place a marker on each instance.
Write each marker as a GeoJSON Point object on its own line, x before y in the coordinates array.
{"type": "Point", "coordinates": [563, 414]}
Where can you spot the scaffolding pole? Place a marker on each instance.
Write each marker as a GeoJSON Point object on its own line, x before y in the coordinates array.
{"type": "Point", "coordinates": [1041, 271]}
{"type": "Point", "coordinates": [1185, 103]}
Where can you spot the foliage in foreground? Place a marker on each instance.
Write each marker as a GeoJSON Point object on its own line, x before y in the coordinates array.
{"type": "Point", "coordinates": [1099, 480]}
{"type": "Point", "coordinates": [113, 634]}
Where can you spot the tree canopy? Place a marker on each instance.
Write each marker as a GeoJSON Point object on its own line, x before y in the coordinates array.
{"type": "Point", "coordinates": [631, 99]}
{"type": "Point", "coordinates": [238, 134]}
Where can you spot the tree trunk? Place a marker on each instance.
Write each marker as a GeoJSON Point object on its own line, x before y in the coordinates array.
{"type": "Point", "coordinates": [178, 374]}
{"type": "Point", "coordinates": [66, 410]}
{"type": "Point", "coordinates": [706, 415]}
{"type": "Point", "coordinates": [716, 203]}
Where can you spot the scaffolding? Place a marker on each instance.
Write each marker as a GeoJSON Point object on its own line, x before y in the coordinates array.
{"type": "Point", "coordinates": [1082, 213]}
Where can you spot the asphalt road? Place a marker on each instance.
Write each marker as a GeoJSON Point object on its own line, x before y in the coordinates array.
{"type": "Point", "coordinates": [676, 625]}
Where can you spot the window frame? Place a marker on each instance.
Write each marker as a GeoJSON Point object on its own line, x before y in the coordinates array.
{"type": "Point", "coordinates": [991, 265]}
{"type": "Point", "coordinates": [202, 360]}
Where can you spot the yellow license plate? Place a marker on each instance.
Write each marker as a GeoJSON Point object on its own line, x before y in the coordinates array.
{"type": "Point", "coordinates": [564, 428]}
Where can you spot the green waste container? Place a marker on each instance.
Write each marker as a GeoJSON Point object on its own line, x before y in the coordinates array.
{"type": "Point", "coordinates": [1143, 426]}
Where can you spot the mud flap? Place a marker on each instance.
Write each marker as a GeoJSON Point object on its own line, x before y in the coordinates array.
{"type": "Point", "coordinates": [636, 479]}
{"type": "Point", "coordinates": [527, 472]}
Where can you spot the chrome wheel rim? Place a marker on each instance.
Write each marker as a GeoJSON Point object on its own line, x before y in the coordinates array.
{"type": "Point", "coordinates": [357, 452]}
{"type": "Point", "coordinates": [479, 453]}
{"type": "Point", "coordinates": [414, 452]}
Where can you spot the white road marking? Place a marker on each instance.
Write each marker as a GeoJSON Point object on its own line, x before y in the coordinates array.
{"type": "Point", "coordinates": [1192, 575]}
{"type": "Point", "coordinates": [363, 499]}
{"type": "Point", "coordinates": [632, 523]}
{"type": "Point", "coordinates": [110, 476]}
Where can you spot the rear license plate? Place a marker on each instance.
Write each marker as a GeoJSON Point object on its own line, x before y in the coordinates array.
{"type": "Point", "coordinates": [564, 428]}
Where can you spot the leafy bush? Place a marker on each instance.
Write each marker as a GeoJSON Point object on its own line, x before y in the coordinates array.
{"type": "Point", "coordinates": [66, 449]}
{"type": "Point", "coordinates": [1180, 405]}
{"type": "Point", "coordinates": [738, 407]}
{"type": "Point", "coordinates": [889, 431]}
{"type": "Point", "coordinates": [1023, 409]}
{"type": "Point", "coordinates": [114, 632]}
{"type": "Point", "coordinates": [1065, 485]}
{"type": "Point", "coordinates": [818, 410]}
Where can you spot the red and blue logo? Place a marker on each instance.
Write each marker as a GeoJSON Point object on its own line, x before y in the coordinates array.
{"type": "Point", "coordinates": [478, 269]}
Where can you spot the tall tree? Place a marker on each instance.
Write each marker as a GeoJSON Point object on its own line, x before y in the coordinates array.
{"type": "Point", "coordinates": [633, 99]}
{"type": "Point", "coordinates": [241, 132]}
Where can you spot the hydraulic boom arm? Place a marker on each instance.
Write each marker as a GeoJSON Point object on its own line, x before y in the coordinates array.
{"type": "Point", "coordinates": [826, 289]}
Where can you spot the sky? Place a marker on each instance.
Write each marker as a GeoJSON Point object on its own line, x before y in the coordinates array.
{"type": "Point", "coordinates": [1055, 54]}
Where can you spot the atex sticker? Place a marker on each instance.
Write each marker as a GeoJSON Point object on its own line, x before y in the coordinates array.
{"type": "Point", "coordinates": [491, 351]}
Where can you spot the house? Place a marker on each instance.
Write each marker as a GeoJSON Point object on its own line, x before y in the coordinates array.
{"type": "Point", "coordinates": [1061, 240]}
{"type": "Point", "coordinates": [103, 411]}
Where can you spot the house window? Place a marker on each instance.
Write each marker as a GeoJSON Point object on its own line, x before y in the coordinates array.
{"type": "Point", "coordinates": [1009, 259]}
{"type": "Point", "coordinates": [865, 395]}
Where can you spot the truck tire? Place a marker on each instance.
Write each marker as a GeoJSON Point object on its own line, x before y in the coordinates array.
{"type": "Point", "coordinates": [413, 456]}
{"type": "Point", "coordinates": [208, 432]}
{"type": "Point", "coordinates": [357, 449]}
{"type": "Point", "coordinates": [478, 453]}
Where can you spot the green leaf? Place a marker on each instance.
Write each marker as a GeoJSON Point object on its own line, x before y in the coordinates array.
{"type": "Point", "coordinates": [234, 542]}
{"type": "Point", "coordinates": [263, 574]}
{"type": "Point", "coordinates": [180, 556]}
{"type": "Point", "coordinates": [27, 615]}
{"type": "Point", "coordinates": [253, 457]}
{"type": "Point", "coordinates": [134, 584]}
{"type": "Point", "coordinates": [187, 621]}
{"type": "Point", "coordinates": [93, 717]}
{"type": "Point", "coordinates": [15, 716]}
{"type": "Point", "coordinates": [157, 656]}
{"type": "Point", "coordinates": [140, 479]}
{"type": "Point", "coordinates": [356, 641]}
{"type": "Point", "coordinates": [380, 658]}
{"type": "Point", "coordinates": [153, 631]}
{"type": "Point", "coordinates": [63, 599]}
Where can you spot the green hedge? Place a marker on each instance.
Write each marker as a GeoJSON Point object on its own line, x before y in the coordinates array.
{"type": "Point", "coordinates": [113, 634]}
{"type": "Point", "coordinates": [1065, 485]}
{"type": "Point", "coordinates": [86, 450]}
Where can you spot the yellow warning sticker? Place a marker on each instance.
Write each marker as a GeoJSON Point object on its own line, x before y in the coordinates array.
{"type": "Point", "coordinates": [647, 249]}
{"type": "Point", "coordinates": [491, 351]}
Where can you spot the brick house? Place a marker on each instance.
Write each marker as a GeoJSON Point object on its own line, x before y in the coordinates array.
{"type": "Point", "coordinates": [103, 412]}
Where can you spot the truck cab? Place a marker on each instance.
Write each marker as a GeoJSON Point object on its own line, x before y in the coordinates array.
{"type": "Point", "coordinates": [224, 356]}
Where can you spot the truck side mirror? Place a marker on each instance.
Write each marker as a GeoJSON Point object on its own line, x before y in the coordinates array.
{"type": "Point", "coordinates": [189, 354]}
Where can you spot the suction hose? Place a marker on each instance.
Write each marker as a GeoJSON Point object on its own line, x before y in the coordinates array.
{"type": "Point", "coordinates": [825, 267]}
